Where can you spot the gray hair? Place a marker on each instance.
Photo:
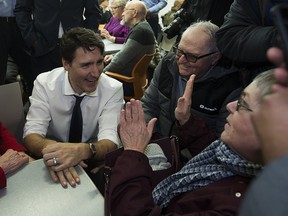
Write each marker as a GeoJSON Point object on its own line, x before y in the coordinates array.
{"type": "Point", "coordinates": [207, 27]}
{"type": "Point", "coordinates": [264, 82]}
{"type": "Point", "coordinates": [118, 2]}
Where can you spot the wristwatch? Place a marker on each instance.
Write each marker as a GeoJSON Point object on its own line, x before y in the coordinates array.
{"type": "Point", "coordinates": [92, 149]}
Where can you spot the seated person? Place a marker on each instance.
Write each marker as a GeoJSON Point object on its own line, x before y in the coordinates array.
{"type": "Point", "coordinates": [140, 41]}
{"type": "Point", "coordinates": [217, 82]}
{"type": "Point", "coordinates": [212, 183]}
{"type": "Point", "coordinates": [12, 155]}
{"type": "Point", "coordinates": [115, 31]}
{"type": "Point", "coordinates": [267, 194]}
{"type": "Point", "coordinates": [79, 87]}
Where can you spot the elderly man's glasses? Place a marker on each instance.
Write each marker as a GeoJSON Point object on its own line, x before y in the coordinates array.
{"type": "Point", "coordinates": [190, 57]}
{"type": "Point", "coordinates": [241, 104]}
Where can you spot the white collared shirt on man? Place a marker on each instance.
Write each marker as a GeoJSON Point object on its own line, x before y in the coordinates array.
{"type": "Point", "coordinates": [52, 103]}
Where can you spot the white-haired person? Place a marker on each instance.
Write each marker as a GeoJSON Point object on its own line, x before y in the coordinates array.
{"type": "Point", "coordinates": [115, 31]}
{"type": "Point", "coordinates": [267, 195]}
{"type": "Point", "coordinates": [211, 183]}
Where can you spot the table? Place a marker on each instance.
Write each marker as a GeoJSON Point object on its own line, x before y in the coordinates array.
{"type": "Point", "coordinates": [30, 192]}
{"type": "Point", "coordinates": [110, 47]}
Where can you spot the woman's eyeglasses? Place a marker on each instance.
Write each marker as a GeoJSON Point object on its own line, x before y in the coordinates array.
{"type": "Point", "coordinates": [114, 8]}
{"type": "Point", "coordinates": [241, 103]}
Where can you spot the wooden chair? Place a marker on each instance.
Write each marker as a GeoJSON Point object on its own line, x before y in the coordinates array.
{"type": "Point", "coordinates": [138, 77]}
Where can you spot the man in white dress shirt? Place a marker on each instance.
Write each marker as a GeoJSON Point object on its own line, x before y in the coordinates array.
{"type": "Point", "coordinates": [46, 132]}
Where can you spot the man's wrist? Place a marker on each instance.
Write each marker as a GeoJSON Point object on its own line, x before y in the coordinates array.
{"type": "Point", "coordinates": [92, 148]}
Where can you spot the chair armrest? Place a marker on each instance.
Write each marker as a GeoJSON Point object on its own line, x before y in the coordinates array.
{"type": "Point", "coordinates": [120, 77]}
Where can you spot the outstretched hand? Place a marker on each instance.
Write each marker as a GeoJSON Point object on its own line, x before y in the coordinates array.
{"type": "Point", "coordinates": [134, 133]}
{"type": "Point", "coordinates": [183, 109]}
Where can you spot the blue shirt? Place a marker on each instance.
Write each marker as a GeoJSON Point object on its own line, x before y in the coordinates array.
{"type": "Point", "coordinates": [154, 6]}
{"type": "Point", "coordinates": [7, 7]}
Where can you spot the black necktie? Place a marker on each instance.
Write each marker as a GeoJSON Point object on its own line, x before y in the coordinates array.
{"type": "Point", "coordinates": [76, 125]}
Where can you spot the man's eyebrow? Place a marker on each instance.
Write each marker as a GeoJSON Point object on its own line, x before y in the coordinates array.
{"type": "Point", "coordinates": [189, 53]}
{"type": "Point", "coordinates": [85, 63]}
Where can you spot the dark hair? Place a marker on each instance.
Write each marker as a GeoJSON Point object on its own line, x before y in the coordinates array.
{"type": "Point", "coordinates": [79, 37]}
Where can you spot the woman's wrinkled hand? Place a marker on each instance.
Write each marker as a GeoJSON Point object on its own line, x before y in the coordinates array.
{"type": "Point", "coordinates": [11, 160]}
{"type": "Point", "coordinates": [134, 133]}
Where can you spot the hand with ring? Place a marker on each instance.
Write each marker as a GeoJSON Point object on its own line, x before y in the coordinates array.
{"type": "Point", "coordinates": [60, 156]}
{"type": "Point", "coordinates": [55, 161]}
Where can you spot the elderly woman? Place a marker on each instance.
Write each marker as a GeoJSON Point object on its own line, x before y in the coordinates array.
{"type": "Point", "coordinates": [211, 183]}
{"type": "Point", "coordinates": [114, 31]}
{"type": "Point", "coordinates": [12, 155]}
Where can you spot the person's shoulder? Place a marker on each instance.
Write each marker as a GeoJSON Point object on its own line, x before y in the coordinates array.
{"type": "Point", "coordinates": [51, 76]}
{"type": "Point", "coordinates": [108, 82]}
{"type": "Point", "coordinates": [142, 26]}
{"type": "Point", "coordinates": [51, 80]}
{"type": "Point", "coordinates": [224, 67]}
{"type": "Point", "coordinates": [170, 61]}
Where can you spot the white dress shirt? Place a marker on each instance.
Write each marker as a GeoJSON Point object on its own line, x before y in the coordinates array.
{"type": "Point", "coordinates": [52, 103]}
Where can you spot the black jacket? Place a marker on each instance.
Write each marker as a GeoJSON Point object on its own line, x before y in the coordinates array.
{"type": "Point", "coordinates": [248, 31]}
{"type": "Point", "coordinates": [211, 93]}
{"type": "Point", "coordinates": [39, 20]}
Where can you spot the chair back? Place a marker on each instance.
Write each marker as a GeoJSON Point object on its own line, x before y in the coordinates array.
{"type": "Point", "coordinates": [139, 73]}
{"type": "Point", "coordinates": [138, 77]}
{"type": "Point", "coordinates": [11, 109]}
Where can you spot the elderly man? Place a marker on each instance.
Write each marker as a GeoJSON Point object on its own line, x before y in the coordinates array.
{"type": "Point", "coordinates": [74, 109]}
{"type": "Point", "coordinates": [140, 41]}
{"type": "Point", "coordinates": [216, 83]}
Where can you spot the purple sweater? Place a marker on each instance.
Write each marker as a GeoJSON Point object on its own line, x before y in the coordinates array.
{"type": "Point", "coordinates": [120, 32]}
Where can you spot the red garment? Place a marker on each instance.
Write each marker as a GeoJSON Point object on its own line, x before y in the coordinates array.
{"type": "Point", "coordinates": [195, 135]}
{"type": "Point", "coordinates": [131, 192]}
{"type": "Point", "coordinates": [7, 141]}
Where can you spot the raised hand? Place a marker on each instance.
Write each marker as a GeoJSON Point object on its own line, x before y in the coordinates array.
{"type": "Point", "coordinates": [134, 133]}
{"type": "Point", "coordinates": [183, 109]}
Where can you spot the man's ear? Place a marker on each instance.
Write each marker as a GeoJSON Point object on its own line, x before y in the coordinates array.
{"type": "Point", "coordinates": [65, 64]}
{"type": "Point", "coordinates": [135, 13]}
